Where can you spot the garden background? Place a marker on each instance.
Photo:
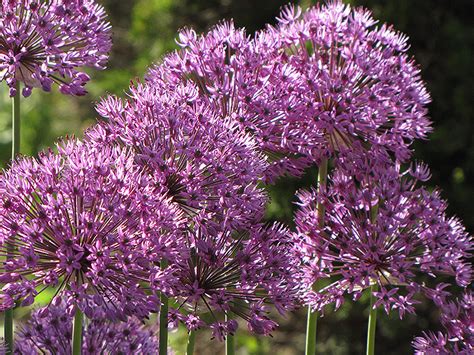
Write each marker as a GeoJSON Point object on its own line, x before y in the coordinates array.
{"type": "Point", "coordinates": [441, 37]}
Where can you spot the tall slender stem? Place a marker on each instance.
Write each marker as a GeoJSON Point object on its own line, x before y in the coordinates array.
{"type": "Point", "coordinates": [372, 323]}
{"type": "Point", "coordinates": [312, 319]}
{"type": "Point", "coordinates": [229, 340]}
{"type": "Point", "coordinates": [311, 326]}
{"type": "Point", "coordinates": [163, 318]}
{"type": "Point", "coordinates": [16, 122]}
{"type": "Point", "coordinates": [374, 210]}
{"type": "Point", "coordinates": [191, 341]}
{"type": "Point", "coordinates": [8, 329]}
{"type": "Point", "coordinates": [8, 320]}
{"type": "Point", "coordinates": [77, 333]}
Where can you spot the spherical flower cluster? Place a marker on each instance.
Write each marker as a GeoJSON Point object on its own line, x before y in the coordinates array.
{"type": "Point", "coordinates": [43, 42]}
{"type": "Point", "coordinates": [49, 330]}
{"type": "Point", "coordinates": [384, 236]}
{"type": "Point", "coordinates": [80, 220]}
{"type": "Point", "coordinates": [231, 74]}
{"type": "Point", "coordinates": [347, 80]}
{"type": "Point", "coordinates": [202, 162]}
{"type": "Point", "coordinates": [232, 273]}
{"type": "Point", "coordinates": [458, 321]}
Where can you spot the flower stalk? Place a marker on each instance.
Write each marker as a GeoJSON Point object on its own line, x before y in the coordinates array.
{"type": "Point", "coordinates": [8, 325]}
{"type": "Point", "coordinates": [163, 318]}
{"type": "Point", "coordinates": [373, 310]}
{"type": "Point", "coordinates": [191, 342]}
{"type": "Point", "coordinates": [229, 341]}
{"type": "Point", "coordinates": [311, 325]}
{"type": "Point", "coordinates": [77, 333]}
{"type": "Point", "coordinates": [372, 322]}
{"type": "Point", "coordinates": [16, 121]}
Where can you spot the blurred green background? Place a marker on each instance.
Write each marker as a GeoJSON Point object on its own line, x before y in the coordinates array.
{"type": "Point", "coordinates": [441, 35]}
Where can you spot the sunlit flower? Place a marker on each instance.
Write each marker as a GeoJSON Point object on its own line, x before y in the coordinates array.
{"type": "Point", "coordinates": [387, 233]}
{"type": "Point", "coordinates": [234, 273]}
{"type": "Point", "coordinates": [202, 162]}
{"type": "Point", "coordinates": [50, 331]}
{"type": "Point", "coordinates": [43, 42]}
{"type": "Point", "coordinates": [345, 80]}
{"type": "Point", "coordinates": [79, 220]}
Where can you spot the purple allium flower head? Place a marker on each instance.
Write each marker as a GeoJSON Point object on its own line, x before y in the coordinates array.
{"type": "Point", "coordinates": [231, 272]}
{"type": "Point", "coordinates": [346, 80]}
{"type": "Point", "coordinates": [231, 73]}
{"type": "Point", "coordinates": [50, 331]}
{"type": "Point", "coordinates": [387, 233]}
{"type": "Point", "coordinates": [202, 161]}
{"type": "Point", "coordinates": [45, 41]}
{"type": "Point", "coordinates": [79, 220]}
{"type": "Point", "coordinates": [458, 320]}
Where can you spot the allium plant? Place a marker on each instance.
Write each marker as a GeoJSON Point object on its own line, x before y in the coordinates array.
{"type": "Point", "coordinates": [380, 230]}
{"type": "Point", "coordinates": [457, 319]}
{"type": "Point", "coordinates": [46, 42]}
{"type": "Point", "coordinates": [346, 80]}
{"type": "Point", "coordinates": [43, 42]}
{"type": "Point", "coordinates": [78, 221]}
{"type": "Point", "coordinates": [49, 331]}
{"type": "Point", "coordinates": [350, 85]}
{"type": "Point", "coordinates": [202, 162]}
{"type": "Point", "coordinates": [232, 273]}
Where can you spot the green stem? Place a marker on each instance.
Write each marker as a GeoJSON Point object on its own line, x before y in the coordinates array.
{"type": "Point", "coordinates": [77, 333]}
{"type": "Point", "coordinates": [311, 326]}
{"type": "Point", "coordinates": [8, 320]}
{"type": "Point", "coordinates": [372, 323]}
{"type": "Point", "coordinates": [8, 329]}
{"type": "Point", "coordinates": [322, 181]}
{"type": "Point", "coordinates": [163, 318]}
{"type": "Point", "coordinates": [229, 340]}
{"type": "Point", "coordinates": [374, 210]}
{"type": "Point", "coordinates": [191, 341]}
{"type": "Point", "coordinates": [16, 122]}
{"type": "Point", "coordinates": [312, 319]}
